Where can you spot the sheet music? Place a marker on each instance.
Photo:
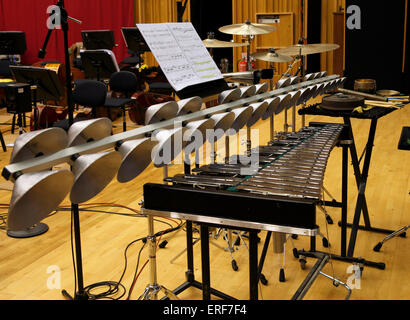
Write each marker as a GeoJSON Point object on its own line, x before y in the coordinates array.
{"type": "Point", "coordinates": [180, 53]}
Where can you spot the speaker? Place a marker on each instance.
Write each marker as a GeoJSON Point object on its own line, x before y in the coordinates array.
{"type": "Point", "coordinates": [18, 98]}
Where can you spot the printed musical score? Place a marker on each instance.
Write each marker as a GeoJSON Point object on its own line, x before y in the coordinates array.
{"type": "Point", "coordinates": [180, 53]}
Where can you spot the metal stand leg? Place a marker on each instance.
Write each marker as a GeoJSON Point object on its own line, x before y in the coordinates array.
{"type": "Point", "coordinates": [253, 265]}
{"type": "Point", "coordinates": [361, 181]}
{"type": "Point", "coordinates": [344, 256]}
{"type": "Point", "coordinates": [152, 290]}
{"type": "Point", "coordinates": [391, 236]}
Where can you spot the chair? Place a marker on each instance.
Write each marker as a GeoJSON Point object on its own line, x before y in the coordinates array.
{"type": "Point", "coordinates": [5, 71]}
{"type": "Point", "coordinates": [87, 93]}
{"type": "Point", "coordinates": [124, 84]}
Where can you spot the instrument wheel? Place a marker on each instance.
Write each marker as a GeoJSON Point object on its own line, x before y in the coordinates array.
{"type": "Point", "coordinates": [263, 279]}
{"type": "Point", "coordinates": [234, 265]}
{"type": "Point", "coordinates": [282, 277]}
{"type": "Point", "coordinates": [302, 262]}
{"type": "Point", "coordinates": [296, 253]}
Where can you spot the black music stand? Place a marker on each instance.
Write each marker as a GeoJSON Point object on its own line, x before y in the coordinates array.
{"type": "Point", "coordinates": [45, 85]}
{"type": "Point", "coordinates": [99, 64]}
{"type": "Point", "coordinates": [12, 42]}
{"type": "Point", "coordinates": [134, 40]}
{"type": "Point", "coordinates": [137, 46]}
{"type": "Point", "coordinates": [98, 39]}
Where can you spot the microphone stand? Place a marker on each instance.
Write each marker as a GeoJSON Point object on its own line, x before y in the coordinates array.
{"type": "Point", "coordinates": [42, 54]}
{"type": "Point", "coordinates": [80, 294]}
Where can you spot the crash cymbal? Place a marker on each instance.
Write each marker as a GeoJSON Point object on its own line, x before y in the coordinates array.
{"type": "Point", "coordinates": [308, 49]}
{"type": "Point", "coordinates": [247, 29]}
{"type": "Point", "coordinates": [214, 44]}
{"type": "Point", "coordinates": [271, 57]}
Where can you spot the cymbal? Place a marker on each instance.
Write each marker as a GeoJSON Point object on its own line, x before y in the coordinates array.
{"type": "Point", "coordinates": [308, 49]}
{"type": "Point", "coordinates": [272, 57]}
{"type": "Point", "coordinates": [247, 29]}
{"type": "Point", "coordinates": [214, 43]}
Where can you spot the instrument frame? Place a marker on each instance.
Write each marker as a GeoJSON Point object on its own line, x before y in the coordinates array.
{"type": "Point", "coordinates": [12, 171]}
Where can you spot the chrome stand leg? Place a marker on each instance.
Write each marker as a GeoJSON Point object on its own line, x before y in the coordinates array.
{"type": "Point", "coordinates": [152, 290]}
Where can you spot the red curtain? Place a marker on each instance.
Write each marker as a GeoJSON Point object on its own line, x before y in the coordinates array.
{"type": "Point", "coordinates": [31, 17]}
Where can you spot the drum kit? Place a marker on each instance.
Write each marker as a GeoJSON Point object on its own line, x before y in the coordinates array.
{"type": "Point", "coordinates": [250, 30]}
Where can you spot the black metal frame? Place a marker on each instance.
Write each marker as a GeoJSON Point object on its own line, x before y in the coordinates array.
{"type": "Point", "coordinates": [361, 176]}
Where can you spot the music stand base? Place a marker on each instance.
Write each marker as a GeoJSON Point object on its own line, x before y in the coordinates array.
{"type": "Point", "coordinates": [35, 231]}
{"type": "Point", "coordinates": [151, 292]}
{"type": "Point", "coordinates": [76, 297]}
{"type": "Point", "coordinates": [198, 285]}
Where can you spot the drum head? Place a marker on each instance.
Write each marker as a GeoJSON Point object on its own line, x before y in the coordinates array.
{"type": "Point", "coordinates": [342, 102]}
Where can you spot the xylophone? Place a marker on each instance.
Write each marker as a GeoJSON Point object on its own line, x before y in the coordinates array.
{"type": "Point", "coordinates": [287, 177]}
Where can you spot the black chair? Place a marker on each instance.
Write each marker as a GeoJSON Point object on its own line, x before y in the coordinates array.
{"type": "Point", "coordinates": [124, 83]}
{"type": "Point", "coordinates": [5, 71]}
{"type": "Point", "coordinates": [87, 93]}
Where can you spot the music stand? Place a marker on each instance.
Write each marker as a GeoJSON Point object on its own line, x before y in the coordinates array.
{"type": "Point", "coordinates": [136, 46]}
{"type": "Point", "coordinates": [99, 64]}
{"type": "Point", "coordinates": [134, 40]}
{"type": "Point", "coordinates": [44, 82]}
{"type": "Point", "coordinates": [98, 39]}
{"type": "Point", "coordinates": [12, 42]}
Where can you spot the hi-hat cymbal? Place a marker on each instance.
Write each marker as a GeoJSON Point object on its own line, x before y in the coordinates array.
{"type": "Point", "coordinates": [271, 57]}
{"type": "Point", "coordinates": [215, 44]}
{"type": "Point", "coordinates": [308, 49]}
{"type": "Point", "coordinates": [247, 29]}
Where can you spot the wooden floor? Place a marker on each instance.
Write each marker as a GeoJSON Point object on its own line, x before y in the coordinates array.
{"type": "Point", "coordinates": [39, 268]}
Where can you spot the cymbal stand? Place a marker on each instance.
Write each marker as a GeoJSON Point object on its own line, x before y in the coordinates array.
{"type": "Point", "coordinates": [291, 66]}
{"type": "Point", "coordinates": [272, 127]}
{"type": "Point", "coordinates": [302, 71]}
{"type": "Point", "coordinates": [152, 290]}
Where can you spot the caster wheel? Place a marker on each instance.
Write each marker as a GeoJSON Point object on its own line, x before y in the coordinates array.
{"type": "Point", "coordinates": [282, 275]}
{"type": "Point", "coordinates": [294, 236]}
{"type": "Point", "coordinates": [234, 265]}
{"type": "Point", "coordinates": [302, 262]}
{"type": "Point", "coordinates": [378, 247]}
{"type": "Point", "coordinates": [325, 243]}
{"type": "Point", "coordinates": [329, 219]}
{"type": "Point", "coordinates": [263, 279]}
{"type": "Point", "coordinates": [296, 253]}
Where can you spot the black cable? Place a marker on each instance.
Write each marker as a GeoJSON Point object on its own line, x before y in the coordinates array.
{"type": "Point", "coordinates": [136, 270]}
{"type": "Point", "coordinates": [119, 213]}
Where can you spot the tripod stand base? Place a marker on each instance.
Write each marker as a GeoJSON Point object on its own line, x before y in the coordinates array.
{"type": "Point", "coordinates": [34, 231]}
{"type": "Point", "coordinates": [151, 292]}
{"type": "Point", "coordinates": [76, 297]}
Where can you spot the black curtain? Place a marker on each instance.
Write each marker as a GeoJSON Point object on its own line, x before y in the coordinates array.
{"type": "Point", "coordinates": [314, 19]}
{"type": "Point", "coordinates": [209, 16]}
{"type": "Point", "coordinates": [376, 50]}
